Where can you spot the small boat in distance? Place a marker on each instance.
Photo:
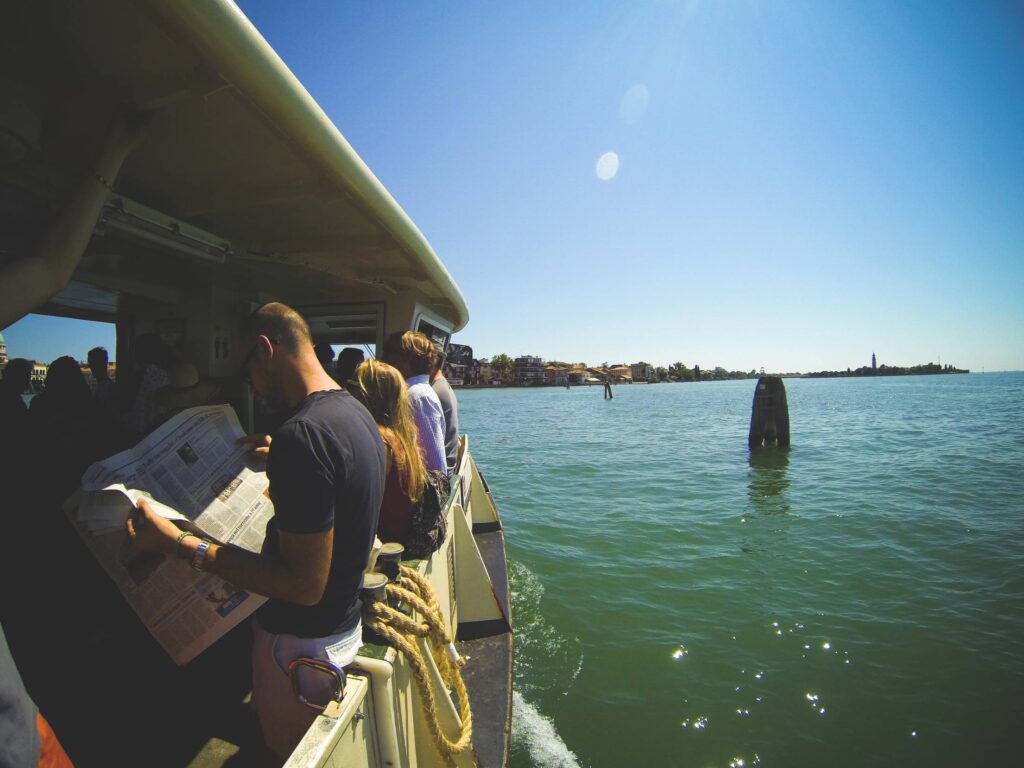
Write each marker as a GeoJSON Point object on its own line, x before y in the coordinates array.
{"type": "Point", "coordinates": [242, 191]}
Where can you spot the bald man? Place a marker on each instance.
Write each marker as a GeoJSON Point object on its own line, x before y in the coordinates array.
{"type": "Point", "coordinates": [326, 466]}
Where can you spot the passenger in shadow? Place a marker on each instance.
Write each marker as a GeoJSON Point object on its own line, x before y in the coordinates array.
{"type": "Point", "coordinates": [16, 460]}
{"type": "Point", "coordinates": [185, 389]}
{"type": "Point", "coordinates": [14, 410]}
{"type": "Point", "coordinates": [17, 376]}
{"type": "Point", "coordinates": [383, 391]}
{"type": "Point", "coordinates": [70, 428]}
{"type": "Point", "coordinates": [69, 431]}
{"type": "Point", "coordinates": [348, 360]}
{"type": "Point", "coordinates": [103, 387]}
{"type": "Point", "coordinates": [152, 359]}
{"type": "Point", "coordinates": [325, 354]}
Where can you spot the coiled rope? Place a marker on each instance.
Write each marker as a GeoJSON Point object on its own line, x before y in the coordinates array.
{"type": "Point", "coordinates": [401, 631]}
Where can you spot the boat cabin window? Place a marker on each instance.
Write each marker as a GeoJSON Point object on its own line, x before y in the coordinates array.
{"type": "Point", "coordinates": [346, 325]}
{"type": "Point", "coordinates": [437, 335]}
{"type": "Point", "coordinates": [44, 338]}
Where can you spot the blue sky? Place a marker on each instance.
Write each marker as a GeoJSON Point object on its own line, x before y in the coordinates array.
{"type": "Point", "coordinates": [798, 185]}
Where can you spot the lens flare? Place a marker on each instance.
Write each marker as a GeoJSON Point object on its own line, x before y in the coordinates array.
{"type": "Point", "coordinates": [607, 166]}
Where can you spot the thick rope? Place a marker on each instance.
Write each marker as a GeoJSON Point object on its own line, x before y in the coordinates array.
{"type": "Point", "coordinates": [401, 631]}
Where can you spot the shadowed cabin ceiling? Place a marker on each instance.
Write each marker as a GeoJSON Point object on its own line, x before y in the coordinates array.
{"type": "Point", "coordinates": [211, 157]}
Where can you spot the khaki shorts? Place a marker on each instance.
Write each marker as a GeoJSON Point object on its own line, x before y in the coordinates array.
{"type": "Point", "coordinates": [284, 719]}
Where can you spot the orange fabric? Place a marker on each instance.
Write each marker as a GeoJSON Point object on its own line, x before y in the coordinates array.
{"type": "Point", "coordinates": [51, 754]}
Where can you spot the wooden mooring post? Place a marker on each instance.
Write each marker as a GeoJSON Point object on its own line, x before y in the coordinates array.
{"type": "Point", "coordinates": [769, 419]}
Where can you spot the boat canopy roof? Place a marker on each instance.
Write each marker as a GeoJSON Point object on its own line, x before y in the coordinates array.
{"type": "Point", "coordinates": [237, 148]}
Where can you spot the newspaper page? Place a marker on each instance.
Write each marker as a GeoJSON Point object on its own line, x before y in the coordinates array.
{"type": "Point", "coordinates": [190, 470]}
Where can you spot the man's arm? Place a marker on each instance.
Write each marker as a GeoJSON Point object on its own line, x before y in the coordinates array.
{"type": "Point", "coordinates": [297, 573]}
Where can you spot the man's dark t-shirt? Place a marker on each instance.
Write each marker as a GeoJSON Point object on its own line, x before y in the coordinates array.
{"type": "Point", "coordinates": [326, 470]}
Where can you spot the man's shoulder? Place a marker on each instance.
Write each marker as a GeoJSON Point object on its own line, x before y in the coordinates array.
{"type": "Point", "coordinates": [443, 389]}
{"type": "Point", "coordinates": [332, 413]}
{"type": "Point", "coordinates": [334, 431]}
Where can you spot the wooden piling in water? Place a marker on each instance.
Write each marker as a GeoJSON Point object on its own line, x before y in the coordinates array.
{"type": "Point", "coordinates": [769, 418]}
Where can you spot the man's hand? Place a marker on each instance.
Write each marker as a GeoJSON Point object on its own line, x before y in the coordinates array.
{"type": "Point", "coordinates": [149, 532]}
{"type": "Point", "coordinates": [259, 444]}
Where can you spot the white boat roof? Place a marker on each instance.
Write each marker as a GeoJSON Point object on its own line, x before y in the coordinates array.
{"type": "Point", "coordinates": [237, 147]}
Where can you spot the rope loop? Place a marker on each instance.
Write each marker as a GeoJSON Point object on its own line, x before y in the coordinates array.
{"type": "Point", "coordinates": [401, 631]}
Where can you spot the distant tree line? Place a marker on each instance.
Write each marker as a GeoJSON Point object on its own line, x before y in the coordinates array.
{"type": "Point", "coordinates": [926, 369]}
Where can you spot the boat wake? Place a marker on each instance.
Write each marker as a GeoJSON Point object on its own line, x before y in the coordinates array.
{"type": "Point", "coordinates": [535, 734]}
{"type": "Point", "coordinates": [547, 662]}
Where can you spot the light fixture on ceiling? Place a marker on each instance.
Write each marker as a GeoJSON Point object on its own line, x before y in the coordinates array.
{"type": "Point", "coordinates": [138, 222]}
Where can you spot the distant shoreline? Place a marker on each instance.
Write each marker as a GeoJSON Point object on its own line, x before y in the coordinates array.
{"type": "Point", "coordinates": [817, 375]}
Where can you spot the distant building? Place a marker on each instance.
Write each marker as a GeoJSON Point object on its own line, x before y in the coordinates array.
{"type": "Point", "coordinates": [556, 374]}
{"type": "Point", "coordinates": [872, 361]}
{"type": "Point", "coordinates": [3, 350]}
{"type": "Point", "coordinates": [482, 373]}
{"type": "Point", "coordinates": [455, 373]}
{"type": "Point", "coordinates": [579, 374]}
{"type": "Point", "coordinates": [641, 371]}
{"type": "Point", "coordinates": [621, 372]}
{"type": "Point", "coordinates": [39, 371]}
{"type": "Point", "coordinates": [528, 370]}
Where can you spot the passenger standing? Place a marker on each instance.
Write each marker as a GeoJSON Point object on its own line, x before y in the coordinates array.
{"type": "Point", "coordinates": [185, 389]}
{"type": "Point", "coordinates": [102, 384]}
{"type": "Point", "coordinates": [70, 428]}
{"type": "Point", "coordinates": [348, 360]}
{"type": "Point", "coordinates": [326, 465]}
{"type": "Point", "coordinates": [13, 410]}
{"type": "Point", "coordinates": [383, 391]}
{"type": "Point", "coordinates": [450, 409]}
{"type": "Point", "coordinates": [15, 457]}
{"type": "Point", "coordinates": [413, 354]}
{"type": "Point", "coordinates": [152, 360]}
{"type": "Point", "coordinates": [325, 354]}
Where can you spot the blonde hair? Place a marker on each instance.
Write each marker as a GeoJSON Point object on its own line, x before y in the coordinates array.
{"type": "Point", "coordinates": [383, 391]}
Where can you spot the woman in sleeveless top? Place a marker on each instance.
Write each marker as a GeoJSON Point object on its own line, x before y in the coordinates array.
{"type": "Point", "coordinates": [383, 391]}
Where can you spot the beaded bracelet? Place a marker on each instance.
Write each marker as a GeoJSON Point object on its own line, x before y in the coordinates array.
{"type": "Point", "coordinates": [181, 537]}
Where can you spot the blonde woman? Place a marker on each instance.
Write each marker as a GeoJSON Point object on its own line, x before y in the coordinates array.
{"type": "Point", "coordinates": [383, 391]}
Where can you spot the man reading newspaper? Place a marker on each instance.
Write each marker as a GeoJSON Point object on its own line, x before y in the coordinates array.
{"type": "Point", "coordinates": [326, 467]}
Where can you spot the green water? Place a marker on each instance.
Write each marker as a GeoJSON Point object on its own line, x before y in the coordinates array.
{"type": "Point", "coordinates": [857, 600]}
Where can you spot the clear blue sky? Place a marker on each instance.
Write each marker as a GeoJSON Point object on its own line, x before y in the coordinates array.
{"type": "Point", "coordinates": [798, 184]}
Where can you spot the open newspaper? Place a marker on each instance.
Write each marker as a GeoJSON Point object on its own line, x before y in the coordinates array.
{"type": "Point", "coordinates": [190, 470]}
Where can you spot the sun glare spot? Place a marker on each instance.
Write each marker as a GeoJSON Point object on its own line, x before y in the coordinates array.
{"type": "Point", "coordinates": [607, 166]}
{"type": "Point", "coordinates": [634, 104]}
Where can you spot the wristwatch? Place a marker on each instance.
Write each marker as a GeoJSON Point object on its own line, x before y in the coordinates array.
{"type": "Point", "coordinates": [200, 555]}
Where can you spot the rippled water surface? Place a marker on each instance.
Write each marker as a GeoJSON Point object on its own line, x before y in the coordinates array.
{"type": "Point", "coordinates": [856, 600]}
